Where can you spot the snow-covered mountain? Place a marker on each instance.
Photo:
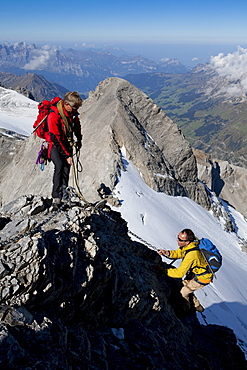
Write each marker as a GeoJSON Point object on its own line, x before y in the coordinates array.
{"type": "Point", "coordinates": [17, 112]}
{"type": "Point", "coordinates": [157, 218]}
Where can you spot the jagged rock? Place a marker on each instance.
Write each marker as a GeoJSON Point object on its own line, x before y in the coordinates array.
{"type": "Point", "coordinates": [25, 92]}
{"type": "Point", "coordinates": [224, 179]}
{"type": "Point", "coordinates": [78, 293]}
{"type": "Point", "coordinates": [15, 316]}
{"type": "Point", "coordinates": [116, 118]}
{"type": "Point", "coordinates": [220, 213]}
{"type": "Point", "coordinates": [8, 148]}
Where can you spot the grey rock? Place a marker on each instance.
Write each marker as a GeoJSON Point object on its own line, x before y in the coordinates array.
{"type": "Point", "coordinates": [226, 180]}
{"type": "Point", "coordinates": [15, 316]}
{"type": "Point", "coordinates": [85, 296]}
{"type": "Point", "coordinates": [8, 148]}
{"type": "Point", "coordinates": [16, 206]}
{"type": "Point", "coordinates": [14, 227]}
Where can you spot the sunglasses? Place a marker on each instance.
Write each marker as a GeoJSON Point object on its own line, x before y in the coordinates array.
{"type": "Point", "coordinates": [182, 240]}
{"type": "Point", "coordinates": [72, 105]}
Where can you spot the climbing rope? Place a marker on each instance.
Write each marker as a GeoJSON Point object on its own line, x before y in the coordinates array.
{"type": "Point", "coordinates": [72, 191]}
{"type": "Point", "coordinates": [78, 192]}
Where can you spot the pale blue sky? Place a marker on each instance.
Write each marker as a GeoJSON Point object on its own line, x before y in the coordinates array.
{"type": "Point", "coordinates": [138, 21]}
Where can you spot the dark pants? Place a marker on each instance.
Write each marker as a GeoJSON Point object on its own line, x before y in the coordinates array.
{"type": "Point", "coordinates": [61, 173]}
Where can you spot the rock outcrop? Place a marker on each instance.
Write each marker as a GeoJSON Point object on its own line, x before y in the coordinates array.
{"type": "Point", "coordinates": [115, 116]}
{"type": "Point", "coordinates": [77, 293]}
{"type": "Point", "coordinates": [226, 180]}
{"type": "Point", "coordinates": [9, 146]}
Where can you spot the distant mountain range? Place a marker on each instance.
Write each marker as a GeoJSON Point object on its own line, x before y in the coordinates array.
{"type": "Point", "coordinates": [212, 119]}
{"type": "Point", "coordinates": [76, 69]}
{"type": "Point", "coordinates": [33, 86]}
{"type": "Point", "coordinates": [199, 102]}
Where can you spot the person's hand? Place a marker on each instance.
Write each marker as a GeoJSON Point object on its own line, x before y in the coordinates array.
{"type": "Point", "coordinates": [163, 252]}
{"type": "Point", "coordinates": [70, 161]}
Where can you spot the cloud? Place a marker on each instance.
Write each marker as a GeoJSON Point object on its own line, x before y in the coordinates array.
{"type": "Point", "coordinates": [85, 45]}
{"type": "Point", "coordinates": [234, 68]}
{"type": "Point", "coordinates": [39, 59]}
{"type": "Point", "coordinates": [165, 60]}
{"type": "Point", "coordinates": [195, 59]}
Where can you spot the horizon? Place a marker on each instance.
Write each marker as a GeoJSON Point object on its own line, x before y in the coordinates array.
{"type": "Point", "coordinates": [188, 54]}
{"type": "Point", "coordinates": [189, 31]}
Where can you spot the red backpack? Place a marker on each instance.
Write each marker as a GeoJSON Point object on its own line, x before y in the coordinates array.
{"type": "Point", "coordinates": [40, 125]}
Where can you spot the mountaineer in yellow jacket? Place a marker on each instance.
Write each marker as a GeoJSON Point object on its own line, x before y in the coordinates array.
{"type": "Point", "coordinates": [193, 264]}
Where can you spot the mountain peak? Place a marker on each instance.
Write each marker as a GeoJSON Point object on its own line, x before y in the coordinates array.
{"type": "Point", "coordinates": [118, 115]}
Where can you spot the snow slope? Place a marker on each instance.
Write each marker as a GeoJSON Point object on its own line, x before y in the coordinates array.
{"type": "Point", "coordinates": [17, 112]}
{"type": "Point", "coordinates": [157, 218]}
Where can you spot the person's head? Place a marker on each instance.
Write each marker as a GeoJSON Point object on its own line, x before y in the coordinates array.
{"type": "Point", "coordinates": [185, 237]}
{"type": "Point", "coordinates": [72, 101]}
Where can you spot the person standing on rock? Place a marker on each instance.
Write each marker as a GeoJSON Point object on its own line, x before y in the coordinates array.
{"type": "Point", "coordinates": [63, 122]}
{"type": "Point", "coordinates": [193, 267]}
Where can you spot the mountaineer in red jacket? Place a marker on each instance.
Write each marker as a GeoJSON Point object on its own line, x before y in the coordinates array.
{"type": "Point", "coordinates": [63, 123]}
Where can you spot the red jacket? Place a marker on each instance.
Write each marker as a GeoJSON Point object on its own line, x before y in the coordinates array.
{"type": "Point", "coordinates": [57, 131]}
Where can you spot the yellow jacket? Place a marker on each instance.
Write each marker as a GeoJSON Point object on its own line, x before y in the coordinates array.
{"type": "Point", "coordinates": [193, 261]}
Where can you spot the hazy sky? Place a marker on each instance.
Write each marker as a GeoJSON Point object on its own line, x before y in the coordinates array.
{"type": "Point", "coordinates": [191, 22]}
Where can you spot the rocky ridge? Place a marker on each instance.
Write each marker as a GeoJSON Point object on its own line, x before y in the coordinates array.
{"type": "Point", "coordinates": [77, 293]}
{"type": "Point", "coordinates": [33, 86]}
{"type": "Point", "coordinates": [226, 180]}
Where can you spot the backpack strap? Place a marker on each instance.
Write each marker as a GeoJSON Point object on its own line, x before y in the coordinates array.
{"type": "Point", "coordinates": [68, 128]}
{"type": "Point", "coordinates": [207, 269]}
{"type": "Point", "coordinates": [192, 249]}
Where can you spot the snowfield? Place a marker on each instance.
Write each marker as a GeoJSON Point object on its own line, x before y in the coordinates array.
{"type": "Point", "coordinates": [17, 112]}
{"type": "Point", "coordinates": [158, 218]}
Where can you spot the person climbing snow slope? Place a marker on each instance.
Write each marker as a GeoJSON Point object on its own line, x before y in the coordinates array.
{"type": "Point", "coordinates": [193, 266]}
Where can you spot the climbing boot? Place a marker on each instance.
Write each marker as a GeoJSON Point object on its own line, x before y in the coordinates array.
{"type": "Point", "coordinates": [56, 204]}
